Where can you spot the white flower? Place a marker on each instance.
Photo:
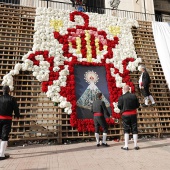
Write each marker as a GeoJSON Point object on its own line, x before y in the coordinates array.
{"type": "Point", "coordinates": [69, 111]}
{"type": "Point", "coordinates": [39, 57]}
{"type": "Point", "coordinates": [18, 67]}
{"type": "Point", "coordinates": [116, 109]}
{"type": "Point", "coordinates": [56, 69]}
{"type": "Point", "coordinates": [140, 68]}
{"type": "Point", "coordinates": [63, 104]}
{"type": "Point", "coordinates": [12, 72]}
{"type": "Point", "coordinates": [16, 72]}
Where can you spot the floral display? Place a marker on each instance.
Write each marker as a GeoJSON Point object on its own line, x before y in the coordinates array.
{"type": "Point", "coordinates": [64, 39]}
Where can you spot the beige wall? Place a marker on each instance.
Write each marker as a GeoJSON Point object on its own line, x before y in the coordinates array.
{"type": "Point", "coordinates": [134, 5]}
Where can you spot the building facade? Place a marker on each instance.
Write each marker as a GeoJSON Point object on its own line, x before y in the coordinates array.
{"type": "Point", "coordinates": [142, 9]}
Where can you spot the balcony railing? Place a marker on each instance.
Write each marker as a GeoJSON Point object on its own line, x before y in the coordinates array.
{"type": "Point", "coordinates": [69, 6]}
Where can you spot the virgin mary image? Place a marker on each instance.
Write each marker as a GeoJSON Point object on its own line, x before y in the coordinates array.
{"type": "Point", "coordinates": [89, 95]}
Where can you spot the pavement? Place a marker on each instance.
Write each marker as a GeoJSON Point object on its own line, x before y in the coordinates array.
{"type": "Point", "coordinates": [154, 154]}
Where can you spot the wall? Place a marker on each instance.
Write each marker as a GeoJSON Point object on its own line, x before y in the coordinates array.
{"type": "Point", "coordinates": [128, 5]}
{"type": "Point", "coordinates": [162, 5]}
{"type": "Point", "coordinates": [134, 5]}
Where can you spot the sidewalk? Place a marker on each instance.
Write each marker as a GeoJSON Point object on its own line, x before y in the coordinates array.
{"type": "Point", "coordinates": [153, 155]}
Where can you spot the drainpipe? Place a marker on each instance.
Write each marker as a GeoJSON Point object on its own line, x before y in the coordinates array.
{"type": "Point", "coordinates": [145, 9]}
{"type": "Point", "coordinates": [47, 3]}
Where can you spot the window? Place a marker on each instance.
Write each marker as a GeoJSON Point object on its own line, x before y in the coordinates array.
{"type": "Point", "coordinates": [11, 1]}
{"type": "Point", "coordinates": [96, 6]}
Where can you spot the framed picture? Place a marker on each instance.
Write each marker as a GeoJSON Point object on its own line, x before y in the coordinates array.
{"type": "Point", "coordinates": [89, 81]}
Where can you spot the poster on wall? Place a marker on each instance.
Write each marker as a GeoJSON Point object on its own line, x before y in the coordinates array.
{"type": "Point", "coordinates": [90, 80]}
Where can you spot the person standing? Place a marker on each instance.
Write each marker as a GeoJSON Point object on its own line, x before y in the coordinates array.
{"type": "Point", "coordinates": [99, 110]}
{"type": "Point", "coordinates": [8, 104]}
{"type": "Point", "coordinates": [144, 82]}
{"type": "Point", "coordinates": [128, 104]}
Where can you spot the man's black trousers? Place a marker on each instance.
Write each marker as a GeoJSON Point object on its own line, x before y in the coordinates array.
{"type": "Point", "coordinates": [100, 121]}
{"type": "Point", "coordinates": [5, 129]}
{"type": "Point", "coordinates": [130, 123]}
